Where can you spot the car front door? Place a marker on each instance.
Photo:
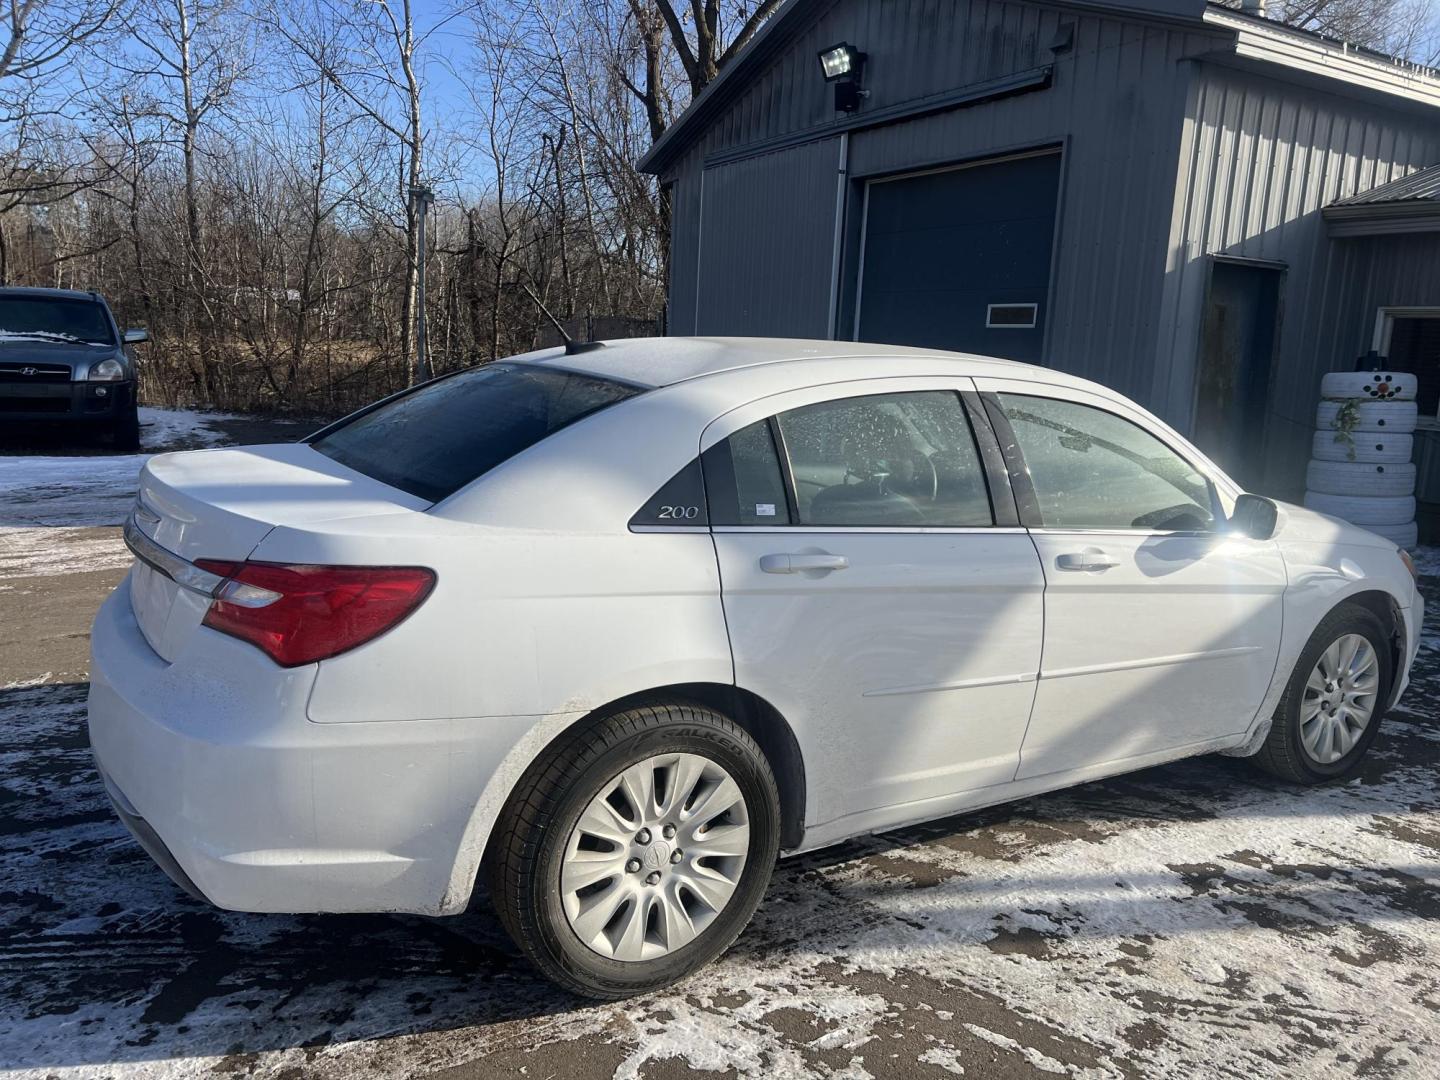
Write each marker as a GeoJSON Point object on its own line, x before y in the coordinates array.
{"type": "Point", "coordinates": [871, 595]}
{"type": "Point", "coordinates": [1161, 626]}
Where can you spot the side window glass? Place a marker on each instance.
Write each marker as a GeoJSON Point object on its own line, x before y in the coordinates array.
{"type": "Point", "coordinates": [905, 460]}
{"type": "Point", "coordinates": [743, 479]}
{"type": "Point", "coordinates": [681, 501]}
{"type": "Point", "coordinates": [1093, 470]}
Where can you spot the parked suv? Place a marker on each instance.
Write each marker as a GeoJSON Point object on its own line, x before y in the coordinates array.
{"type": "Point", "coordinates": [64, 360]}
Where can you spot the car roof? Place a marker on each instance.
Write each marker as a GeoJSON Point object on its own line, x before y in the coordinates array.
{"type": "Point", "coordinates": [35, 292]}
{"type": "Point", "coordinates": [655, 362]}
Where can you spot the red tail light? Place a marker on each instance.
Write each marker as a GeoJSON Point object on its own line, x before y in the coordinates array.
{"type": "Point", "coordinates": [300, 614]}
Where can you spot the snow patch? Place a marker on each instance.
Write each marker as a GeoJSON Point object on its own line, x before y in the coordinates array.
{"type": "Point", "coordinates": [94, 489]}
{"type": "Point", "coordinates": [64, 550]}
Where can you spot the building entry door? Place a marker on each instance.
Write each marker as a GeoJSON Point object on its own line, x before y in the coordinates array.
{"type": "Point", "coordinates": [1237, 352]}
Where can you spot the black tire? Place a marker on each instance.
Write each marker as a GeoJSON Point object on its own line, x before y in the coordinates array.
{"type": "Point", "coordinates": [125, 430]}
{"type": "Point", "coordinates": [1283, 753]}
{"type": "Point", "coordinates": [524, 858]}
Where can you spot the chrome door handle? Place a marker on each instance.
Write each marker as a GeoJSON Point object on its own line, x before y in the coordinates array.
{"type": "Point", "coordinates": [795, 564]}
{"type": "Point", "coordinates": [1089, 559]}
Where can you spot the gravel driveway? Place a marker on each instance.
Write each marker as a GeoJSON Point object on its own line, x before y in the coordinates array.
{"type": "Point", "coordinates": [1193, 920]}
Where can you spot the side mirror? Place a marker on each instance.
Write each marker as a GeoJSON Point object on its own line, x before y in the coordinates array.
{"type": "Point", "coordinates": [1254, 517]}
{"type": "Point", "coordinates": [135, 335]}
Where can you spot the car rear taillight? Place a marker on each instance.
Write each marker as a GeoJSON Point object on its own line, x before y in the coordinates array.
{"type": "Point", "coordinates": [300, 614]}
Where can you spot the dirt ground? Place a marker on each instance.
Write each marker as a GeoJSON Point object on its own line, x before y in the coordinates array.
{"type": "Point", "coordinates": [1195, 920]}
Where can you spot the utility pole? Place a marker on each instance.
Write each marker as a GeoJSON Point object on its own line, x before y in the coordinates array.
{"type": "Point", "coordinates": [420, 200]}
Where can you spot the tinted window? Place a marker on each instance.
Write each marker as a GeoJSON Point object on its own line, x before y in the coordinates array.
{"type": "Point", "coordinates": [681, 501]}
{"type": "Point", "coordinates": [1093, 470]}
{"type": "Point", "coordinates": [886, 460]}
{"type": "Point", "coordinates": [437, 439]}
{"type": "Point", "coordinates": [743, 479]}
{"type": "Point", "coordinates": [58, 320]}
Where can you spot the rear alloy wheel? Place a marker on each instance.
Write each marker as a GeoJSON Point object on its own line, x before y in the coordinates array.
{"type": "Point", "coordinates": [636, 849]}
{"type": "Point", "coordinates": [655, 858]}
{"type": "Point", "coordinates": [1332, 706]}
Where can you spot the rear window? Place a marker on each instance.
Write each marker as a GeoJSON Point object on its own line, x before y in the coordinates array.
{"type": "Point", "coordinates": [435, 440]}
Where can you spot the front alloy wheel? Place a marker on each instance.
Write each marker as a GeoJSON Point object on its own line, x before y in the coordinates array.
{"type": "Point", "coordinates": [636, 848]}
{"type": "Point", "coordinates": [1333, 703]}
{"type": "Point", "coordinates": [1339, 700]}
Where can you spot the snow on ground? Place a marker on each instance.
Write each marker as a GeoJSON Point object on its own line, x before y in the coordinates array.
{"type": "Point", "coordinates": [1196, 920]}
{"type": "Point", "coordinates": [94, 489]}
{"type": "Point", "coordinates": [43, 552]}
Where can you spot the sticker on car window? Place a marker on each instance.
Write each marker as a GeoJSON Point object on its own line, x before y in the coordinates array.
{"type": "Point", "coordinates": [764, 509]}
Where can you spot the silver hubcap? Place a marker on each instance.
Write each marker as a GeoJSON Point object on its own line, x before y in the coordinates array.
{"type": "Point", "coordinates": [655, 857]}
{"type": "Point", "coordinates": [1339, 699]}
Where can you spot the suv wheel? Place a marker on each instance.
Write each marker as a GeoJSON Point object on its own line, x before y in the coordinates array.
{"type": "Point", "coordinates": [636, 850]}
{"type": "Point", "coordinates": [1331, 710]}
{"type": "Point", "coordinates": [124, 430]}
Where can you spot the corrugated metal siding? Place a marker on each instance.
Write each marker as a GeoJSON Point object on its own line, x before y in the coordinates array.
{"type": "Point", "coordinates": [767, 243]}
{"type": "Point", "coordinates": [684, 241]}
{"type": "Point", "coordinates": [1116, 105]}
{"type": "Point", "coordinates": [1259, 159]}
{"type": "Point", "coordinates": [1168, 159]}
{"type": "Point", "coordinates": [1116, 108]}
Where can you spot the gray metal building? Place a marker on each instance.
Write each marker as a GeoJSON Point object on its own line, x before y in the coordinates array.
{"type": "Point", "coordinates": [1190, 203]}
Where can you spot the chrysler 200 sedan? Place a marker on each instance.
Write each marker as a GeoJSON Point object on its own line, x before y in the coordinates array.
{"type": "Point", "coordinates": [609, 628]}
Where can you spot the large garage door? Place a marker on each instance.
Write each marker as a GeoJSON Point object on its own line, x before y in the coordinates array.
{"type": "Point", "coordinates": [960, 259]}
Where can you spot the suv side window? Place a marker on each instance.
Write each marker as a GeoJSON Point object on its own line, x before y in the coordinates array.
{"type": "Point", "coordinates": [743, 480]}
{"type": "Point", "coordinates": [1094, 470]}
{"type": "Point", "coordinates": [886, 460]}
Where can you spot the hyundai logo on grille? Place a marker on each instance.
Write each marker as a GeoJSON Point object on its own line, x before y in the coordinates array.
{"type": "Point", "coordinates": [29, 371]}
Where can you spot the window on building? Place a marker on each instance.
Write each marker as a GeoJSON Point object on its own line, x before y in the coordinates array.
{"type": "Point", "coordinates": [1415, 347]}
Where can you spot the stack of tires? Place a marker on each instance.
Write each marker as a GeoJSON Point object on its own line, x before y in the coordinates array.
{"type": "Point", "coordinates": [1360, 468]}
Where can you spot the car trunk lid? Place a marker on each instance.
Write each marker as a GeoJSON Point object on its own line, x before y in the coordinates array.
{"type": "Point", "coordinates": [219, 505]}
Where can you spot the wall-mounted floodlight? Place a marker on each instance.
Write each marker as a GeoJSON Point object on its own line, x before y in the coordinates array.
{"type": "Point", "coordinates": [840, 60]}
{"type": "Point", "coordinates": [842, 64]}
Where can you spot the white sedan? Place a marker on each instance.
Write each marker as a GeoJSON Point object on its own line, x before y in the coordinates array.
{"type": "Point", "coordinates": [614, 626]}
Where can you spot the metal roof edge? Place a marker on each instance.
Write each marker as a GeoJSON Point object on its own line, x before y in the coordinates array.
{"type": "Point", "coordinates": [1334, 60]}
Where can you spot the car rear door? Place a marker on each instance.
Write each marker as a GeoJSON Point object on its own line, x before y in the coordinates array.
{"type": "Point", "coordinates": [1161, 626]}
{"type": "Point", "coordinates": [878, 588]}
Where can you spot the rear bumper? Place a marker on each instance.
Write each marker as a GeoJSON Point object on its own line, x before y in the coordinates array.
{"type": "Point", "coordinates": [214, 767]}
{"type": "Point", "coordinates": [83, 402]}
{"type": "Point", "coordinates": [147, 837]}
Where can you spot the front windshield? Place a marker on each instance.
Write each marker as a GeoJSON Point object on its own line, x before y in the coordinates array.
{"type": "Point", "coordinates": [53, 319]}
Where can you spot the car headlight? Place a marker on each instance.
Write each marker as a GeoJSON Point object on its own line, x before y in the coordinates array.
{"type": "Point", "coordinates": [106, 371]}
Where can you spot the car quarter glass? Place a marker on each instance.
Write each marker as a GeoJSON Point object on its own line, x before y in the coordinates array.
{"type": "Point", "coordinates": [1092, 469]}
{"type": "Point", "coordinates": [744, 481]}
{"type": "Point", "coordinates": [886, 460]}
